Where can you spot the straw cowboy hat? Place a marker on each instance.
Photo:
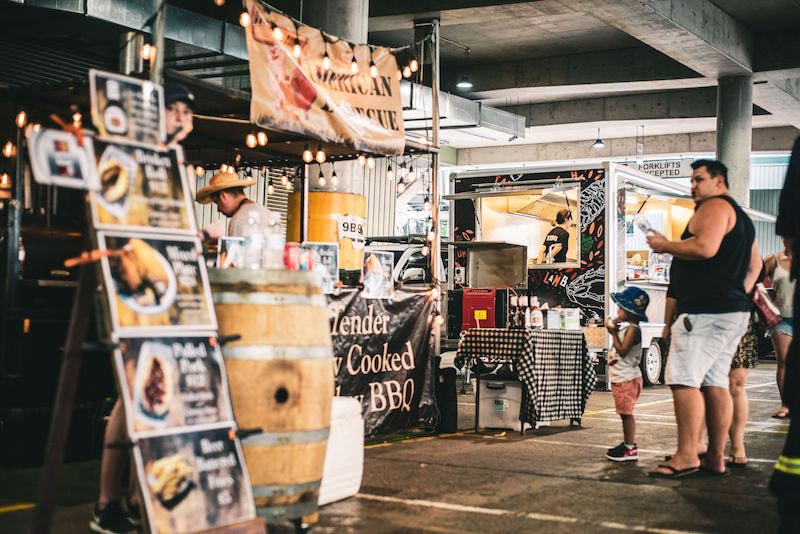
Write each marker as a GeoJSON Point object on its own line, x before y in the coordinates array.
{"type": "Point", "coordinates": [219, 182]}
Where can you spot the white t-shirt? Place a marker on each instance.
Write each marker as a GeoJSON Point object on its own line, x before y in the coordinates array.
{"type": "Point", "coordinates": [626, 368]}
{"type": "Point", "coordinates": [249, 213]}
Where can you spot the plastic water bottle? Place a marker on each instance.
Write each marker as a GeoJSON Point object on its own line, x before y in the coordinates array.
{"type": "Point", "coordinates": [537, 318]}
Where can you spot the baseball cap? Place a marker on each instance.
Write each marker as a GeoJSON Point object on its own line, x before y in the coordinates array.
{"type": "Point", "coordinates": [174, 92]}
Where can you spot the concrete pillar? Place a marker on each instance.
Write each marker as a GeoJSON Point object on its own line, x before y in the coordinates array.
{"type": "Point", "coordinates": [735, 132]}
{"type": "Point", "coordinates": [347, 19]}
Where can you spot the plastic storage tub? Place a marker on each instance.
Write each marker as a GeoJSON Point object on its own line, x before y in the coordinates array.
{"type": "Point", "coordinates": [344, 458]}
{"type": "Point", "coordinates": [499, 404]}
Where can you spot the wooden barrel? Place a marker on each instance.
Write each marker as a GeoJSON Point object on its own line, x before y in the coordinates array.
{"type": "Point", "coordinates": [324, 210]}
{"type": "Point", "coordinates": [281, 381]}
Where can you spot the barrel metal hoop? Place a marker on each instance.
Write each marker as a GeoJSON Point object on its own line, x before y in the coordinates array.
{"type": "Point", "coordinates": [281, 490]}
{"type": "Point", "coordinates": [286, 438]}
{"type": "Point", "coordinates": [274, 299]}
{"type": "Point", "coordinates": [272, 352]}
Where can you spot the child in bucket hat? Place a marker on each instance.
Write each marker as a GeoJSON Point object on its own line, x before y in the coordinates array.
{"type": "Point", "coordinates": [623, 366]}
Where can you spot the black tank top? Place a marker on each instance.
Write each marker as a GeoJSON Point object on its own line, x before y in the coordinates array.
{"type": "Point", "coordinates": [716, 285]}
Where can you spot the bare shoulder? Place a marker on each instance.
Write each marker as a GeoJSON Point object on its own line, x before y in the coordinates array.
{"type": "Point", "coordinates": [715, 206]}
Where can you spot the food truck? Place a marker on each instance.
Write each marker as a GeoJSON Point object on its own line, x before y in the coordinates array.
{"type": "Point", "coordinates": [517, 210]}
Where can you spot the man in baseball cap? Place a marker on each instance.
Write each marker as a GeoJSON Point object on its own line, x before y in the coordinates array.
{"type": "Point", "coordinates": [179, 105]}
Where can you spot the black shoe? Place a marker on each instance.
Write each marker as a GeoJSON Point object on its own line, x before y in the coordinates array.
{"type": "Point", "coordinates": [621, 453]}
{"type": "Point", "coordinates": [111, 520]}
{"type": "Point", "coordinates": [133, 513]}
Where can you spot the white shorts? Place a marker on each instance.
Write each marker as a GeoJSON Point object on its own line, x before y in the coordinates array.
{"type": "Point", "coordinates": [702, 356]}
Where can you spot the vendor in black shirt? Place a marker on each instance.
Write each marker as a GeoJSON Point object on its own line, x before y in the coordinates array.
{"type": "Point", "coordinates": [557, 240]}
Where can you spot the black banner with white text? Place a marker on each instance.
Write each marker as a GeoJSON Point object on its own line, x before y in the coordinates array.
{"type": "Point", "coordinates": [383, 355]}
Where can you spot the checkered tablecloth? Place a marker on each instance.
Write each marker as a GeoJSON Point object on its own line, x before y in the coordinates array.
{"type": "Point", "coordinates": [553, 366]}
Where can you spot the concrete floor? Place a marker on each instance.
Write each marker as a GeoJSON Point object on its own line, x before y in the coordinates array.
{"type": "Point", "coordinates": [555, 479]}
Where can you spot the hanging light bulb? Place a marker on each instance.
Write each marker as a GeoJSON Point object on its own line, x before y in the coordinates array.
{"type": "Point", "coordinates": [76, 119]}
{"type": "Point", "coordinates": [326, 60]}
{"type": "Point", "coordinates": [406, 72]}
{"type": "Point", "coordinates": [320, 156]}
{"type": "Point", "coordinates": [439, 319]}
{"type": "Point", "coordinates": [354, 65]}
{"type": "Point", "coordinates": [5, 181]}
{"type": "Point", "coordinates": [277, 32]}
{"type": "Point", "coordinates": [362, 159]}
{"type": "Point", "coordinates": [9, 149]}
{"type": "Point", "coordinates": [401, 185]}
{"type": "Point", "coordinates": [199, 171]}
{"type": "Point", "coordinates": [262, 138]}
{"type": "Point", "coordinates": [373, 69]}
{"type": "Point", "coordinates": [308, 157]}
{"type": "Point", "coordinates": [21, 119]}
{"type": "Point", "coordinates": [431, 234]}
{"type": "Point", "coordinates": [424, 250]}
{"type": "Point", "coordinates": [270, 187]}
{"type": "Point", "coordinates": [250, 140]}
{"type": "Point", "coordinates": [389, 173]}
{"type": "Point", "coordinates": [426, 204]}
{"type": "Point", "coordinates": [237, 159]}
{"type": "Point", "coordinates": [284, 179]}
{"type": "Point", "coordinates": [414, 65]}
{"type": "Point", "coordinates": [403, 171]}
{"type": "Point", "coordinates": [219, 3]}
{"type": "Point", "coordinates": [334, 178]}
{"type": "Point", "coordinates": [148, 52]}
{"type": "Point", "coordinates": [321, 179]}
{"type": "Point", "coordinates": [435, 294]}
{"type": "Point", "coordinates": [244, 19]}
{"type": "Point", "coordinates": [297, 50]}
{"type": "Point", "coordinates": [371, 162]}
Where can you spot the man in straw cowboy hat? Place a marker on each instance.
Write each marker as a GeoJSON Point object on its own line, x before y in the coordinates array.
{"type": "Point", "coordinates": [226, 190]}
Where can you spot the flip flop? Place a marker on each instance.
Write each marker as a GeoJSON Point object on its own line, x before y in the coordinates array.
{"type": "Point", "coordinates": [668, 457]}
{"type": "Point", "coordinates": [674, 473]}
{"type": "Point", "coordinates": [712, 472]}
{"type": "Point", "coordinates": [731, 462]}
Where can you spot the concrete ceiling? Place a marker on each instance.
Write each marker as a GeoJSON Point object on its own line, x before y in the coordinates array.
{"type": "Point", "coordinates": [571, 66]}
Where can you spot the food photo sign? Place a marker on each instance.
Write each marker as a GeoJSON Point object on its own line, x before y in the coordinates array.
{"type": "Point", "coordinates": [172, 382]}
{"type": "Point", "coordinates": [141, 187]}
{"type": "Point", "coordinates": [194, 481]}
{"type": "Point", "coordinates": [155, 281]}
{"type": "Point", "coordinates": [59, 158]}
{"type": "Point", "coordinates": [125, 108]}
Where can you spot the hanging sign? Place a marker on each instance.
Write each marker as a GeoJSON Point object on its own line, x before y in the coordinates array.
{"type": "Point", "coordinates": [172, 382]}
{"type": "Point", "coordinates": [337, 105]}
{"type": "Point", "coordinates": [352, 227]}
{"type": "Point", "coordinates": [376, 274]}
{"type": "Point", "coordinates": [194, 481]}
{"type": "Point", "coordinates": [57, 158]}
{"type": "Point", "coordinates": [126, 108]}
{"type": "Point", "coordinates": [155, 282]}
{"type": "Point", "coordinates": [383, 356]}
{"type": "Point", "coordinates": [671, 168]}
{"type": "Point", "coordinates": [141, 187]}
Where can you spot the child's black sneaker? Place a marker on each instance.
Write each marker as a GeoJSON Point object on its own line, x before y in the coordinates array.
{"type": "Point", "coordinates": [111, 519]}
{"type": "Point", "coordinates": [623, 453]}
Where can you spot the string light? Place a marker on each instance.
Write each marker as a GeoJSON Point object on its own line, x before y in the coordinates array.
{"type": "Point", "coordinates": [424, 250]}
{"type": "Point", "coordinates": [371, 162]}
{"type": "Point", "coordinates": [251, 141]}
{"type": "Point", "coordinates": [320, 156]}
{"type": "Point", "coordinates": [426, 204]}
{"type": "Point", "coordinates": [308, 157]}
{"type": "Point", "coordinates": [237, 159]}
{"type": "Point", "coordinates": [354, 65]}
{"type": "Point", "coordinates": [439, 318]}
{"type": "Point", "coordinates": [76, 119]}
{"type": "Point", "coordinates": [401, 185]}
{"type": "Point", "coordinates": [326, 59]}
{"type": "Point", "coordinates": [414, 65]}
{"type": "Point", "coordinates": [403, 172]}
{"type": "Point", "coordinates": [199, 171]}
{"type": "Point", "coordinates": [373, 69]}
{"type": "Point", "coordinates": [362, 160]}
{"type": "Point", "coordinates": [297, 50]}
{"type": "Point", "coordinates": [431, 234]}
{"type": "Point", "coordinates": [5, 181]}
{"type": "Point", "coordinates": [321, 179]}
{"type": "Point", "coordinates": [284, 179]}
{"type": "Point", "coordinates": [270, 187]}
{"type": "Point", "coordinates": [21, 119]}
{"type": "Point", "coordinates": [262, 138]}
{"type": "Point", "coordinates": [277, 32]}
{"type": "Point", "coordinates": [9, 150]}
{"type": "Point", "coordinates": [406, 72]}
{"type": "Point", "coordinates": [244, 19]}
{"type": "Point", "coordinates": [389, 173]}
{"type": "Point", "coordinates": [435, 294]}
{"type": "Point", "coordinates": [219, 3]}
{"type": "Point", "coordinates": [334, 178]}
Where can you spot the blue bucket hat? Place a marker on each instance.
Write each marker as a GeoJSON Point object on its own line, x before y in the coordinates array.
{"type": "Point", "coordinates": [634, 301]}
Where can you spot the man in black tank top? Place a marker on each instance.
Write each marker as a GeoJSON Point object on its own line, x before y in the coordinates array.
{"type": "Point", "coordinates": [716, 263]}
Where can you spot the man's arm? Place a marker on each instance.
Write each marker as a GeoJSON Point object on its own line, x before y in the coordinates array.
{"type": "Point", "coordinates": [669, 317]}
{"type": "Point", "coordinates": [709, 226]}
{"type": "Point", "coordinates": [754, 269]}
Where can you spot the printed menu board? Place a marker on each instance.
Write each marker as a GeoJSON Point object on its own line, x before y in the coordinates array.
{"type": "Point", "coordinates": [325, 261]}
{"type": "Point", "coordinates": [126, 108]}
{"type": "Point", "coordinates": [172, 382]}
{"type": "Point", "coordinates": [58, 158]}
{"type": "Point", "coordinates": [376, 274]}
{"type": "Point", "coordinates": [141, 187]}
{"type": "Point", "coordinates": [194, 481]}
{"type": "Point", "coordinates": [155, 281]}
